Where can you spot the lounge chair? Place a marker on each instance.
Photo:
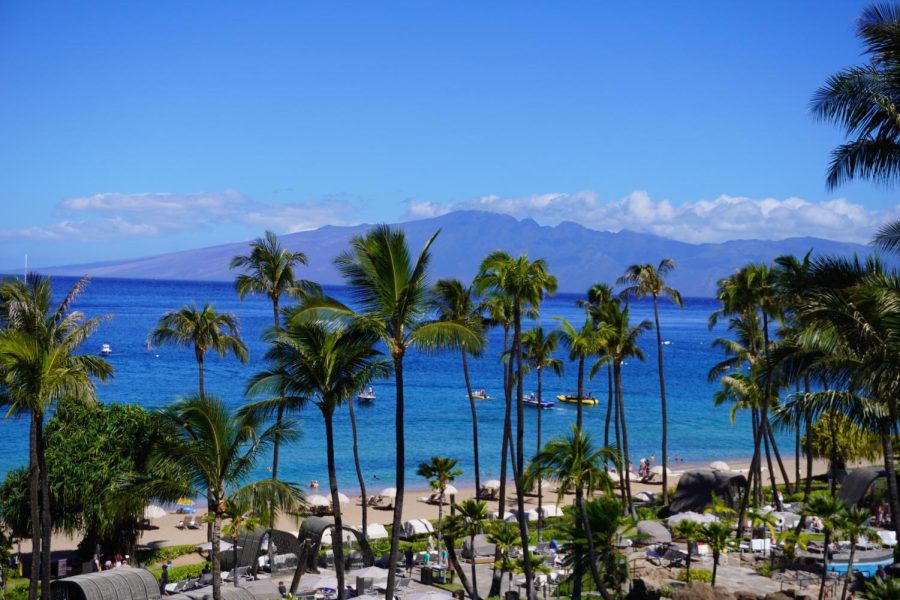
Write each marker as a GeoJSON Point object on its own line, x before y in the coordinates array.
{"type": "Point", "coordinates": [888, 538]}
{"type": "Point", "coordinates": [864, 543]}
{"type": "Point", "coordinates": [192, 523]}
{"type": "Point", "coordinates": [763, 545]}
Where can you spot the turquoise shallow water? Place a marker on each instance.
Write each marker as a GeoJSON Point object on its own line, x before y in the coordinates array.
{"type": "Point", "coordinates": [438, 418]}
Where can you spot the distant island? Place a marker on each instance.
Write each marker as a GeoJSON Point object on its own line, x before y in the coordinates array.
{"type": "Point", "coordinates": [578, 256]}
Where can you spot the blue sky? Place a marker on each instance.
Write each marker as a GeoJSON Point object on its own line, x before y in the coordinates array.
{"type": "Point", "coordinates": [137, 128]}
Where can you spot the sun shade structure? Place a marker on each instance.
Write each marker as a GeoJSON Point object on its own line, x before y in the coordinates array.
{"type": "Point", "coordinates": [115, 584]}
{"type": "Point", "coordinates": [857, 484]}
{"type": "Point", "coordinates": [416, 527]}
{"type": "Point", "coordinates": [312, 529]}
{"type": "Point", "coordinates": [696, 488]}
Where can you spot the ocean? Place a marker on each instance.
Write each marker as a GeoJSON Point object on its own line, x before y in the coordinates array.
{"type": "Point", "coordinates": [437, 410]}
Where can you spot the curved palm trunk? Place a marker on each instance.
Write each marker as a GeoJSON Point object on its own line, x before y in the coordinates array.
{"type": "Point", "coordinates": [440, 553]}
{"type": "Point", "coordinates": [465, 366]}
{"type": "Point", "coordinates": [716, 566]}
{"type": "Point", "coordinates": [662, 398]}
{"type": "Point", "coordinates": [807, 489]}
{"type": "Point", "coordinates": [788, 488]}
{"type": "Point", "coordinates": [626, 476]}
{"type": "Point", "coordinates": [34, 489]}
{"type": "Point", "coordinates": [618, 432]}
{"type": "Point", "coordinates": [579, 419]}
{"type": "Point", "coordinates": [46, 531]}
{"type": "Point", "coordinates": [888, 445]}
{"type": "Point", "coordinates": [849, 572]}
{"type": "Point", "coordinates": [359, 475]}
{"type": "Point", "coordinates": [772, 480]}
{"type": "Point", "coordinates": [497, 579]}
{"type": "Point", "coordinates": [540, 482]}
{"type": "Point", "coordinates": [592, 553]}
{"type": "Point", "coordinates": [824, 563]}
{"type": "Point", "coordinates": [400, 476]}
{"type": "Point", "coordinates": [216, 554]}
{"type": "Point", "coordinates": [474, 575]}
{"type": "Point", "coordinates": [609, 405]}
{"type": "Point", "coordinates": [453, 562]}
{"type": "Point", "coordinates": [520, 450]}
{"type": "Point", "coordinates": [199, 354]}
{"type": "Point", "coordinates": [276, 443]}
{"type": "Point", "coordinates": [337, 537]}
{"type": "Point", "coordinates": [832, 429]}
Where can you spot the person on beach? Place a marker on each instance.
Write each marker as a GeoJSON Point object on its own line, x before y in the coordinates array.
{"type": "Point", "coordinates": [408, 557]}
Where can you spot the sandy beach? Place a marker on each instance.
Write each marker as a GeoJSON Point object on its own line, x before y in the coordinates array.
{"type": "Point", "coordinates": [163, 531]}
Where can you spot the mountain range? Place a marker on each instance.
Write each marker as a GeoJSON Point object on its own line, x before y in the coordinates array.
{"type": "Point", "coordinates": [578, 256]}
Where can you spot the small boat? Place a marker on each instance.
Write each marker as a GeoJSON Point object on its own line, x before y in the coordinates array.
{"type": "Point", "coordinates": [367, 395]}
{"type": "Point", "coordinates": [480, 395]}
{"type": "Point", "coordinates": [105, 350]}
{"type": "Point", "coordinates": [572, 399]}
{"type": "Point", "coordinates": [532, 400]}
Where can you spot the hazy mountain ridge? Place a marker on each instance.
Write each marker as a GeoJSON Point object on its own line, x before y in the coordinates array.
{"type": "Point", "coordinates": [578, 256]}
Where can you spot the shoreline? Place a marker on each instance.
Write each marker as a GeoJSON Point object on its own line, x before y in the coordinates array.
{"type": "Point", "coordinates": [163, 531]}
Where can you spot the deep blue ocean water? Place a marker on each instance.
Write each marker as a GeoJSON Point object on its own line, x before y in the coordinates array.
{"type": "Point", "coordinates": [437, 409]}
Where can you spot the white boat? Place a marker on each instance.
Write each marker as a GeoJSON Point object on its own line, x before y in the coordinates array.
{"type": "Point", "coordinates": [105, 350]}
{"type": "Point", "coordinates": [532, 400]}
{"type": "Point", "coordinates": [367, 395]}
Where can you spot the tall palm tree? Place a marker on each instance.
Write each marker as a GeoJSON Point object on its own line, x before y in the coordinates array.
{"type": "Point", "coordinates": [581, 344]}
{"type": "Point", "coordinates": [472, 515]}
{"type": "Point", "coordinates": [391, 289]}
{"type": "Point", "coordinates": [214, 452]}
{"type": "Point", "coordinates": [269, 269]}
{"type": "Point", "coordinates": [329, 362]}
{"type": "Point", "coordinates": [39, 366]}
{"type": "Point", "coordinates": [861, 101]}
{"type": "Point", "coordinates": [525, 282]}
{"type": "Point", "coordinates": [439, 472]}
{"type": "Point", "coordinates": [453, 301]}
{"type": "Point", "coordinates": [642, 281]}
{"type": "Point", "coordinates": [593, 536]}
{"type": "Point", "coordinates": [539, 352]}
{"type": "Point", "coordinates": [620, 343]}
{"type": "Point", "coordinates": [203, 329]}
{"type": "Point", "coordinates": [830, 510]}
{"type": "Point", "coordinates": [600, 298]}
{"type": "Point", "coordinates": [572, 462]}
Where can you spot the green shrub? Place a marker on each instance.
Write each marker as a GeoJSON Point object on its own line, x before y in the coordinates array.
{"type": "Point", "coordinates": [181, 573]}
{"type": "Point", "coordinates": [647, 513]}
{"type": "Point", "coordinates": [702, 575]}
{"type": "Point", "coordinates": [157, 555]}
{"type": "Point", "coordinates": [666, 591]}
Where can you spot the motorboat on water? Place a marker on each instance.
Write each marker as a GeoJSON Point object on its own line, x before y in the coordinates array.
{"type": "Point", "coordinates": [105, 350]}
{"type": "Point", "coordinates": [573, 399]}
{"type": "Point", "coordinates": [367, 395]}
{"type": "Point", "coordinates": [532, 400]}
{"type": "Point", "coordinates": [480, 395]}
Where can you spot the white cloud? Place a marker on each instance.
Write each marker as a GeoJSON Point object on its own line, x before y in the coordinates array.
{"type": "Point", "coordinates": [724, 218]}
{"type": "Point", "coordinates": [109, 216]}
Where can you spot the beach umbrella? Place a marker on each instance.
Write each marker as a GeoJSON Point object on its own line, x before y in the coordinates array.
{"type": "Point", "coordinates": [614, 477]}
{"type": "Point", "coordinates": [376, 531]}
{"type": "Point", "coordinates": [719, 465]}
{"type": "Point", "coordinates": [152, 511]}
{"type": "Point", "coordinates": [551, 510]}
{"type": "Point", "coordinates": [451, 490]}
{"type": "Point", "coordinates": [690, 516]}
{"type": "Point", "coordinates": [389, 492]}
{"type": "Point", "coordinates": [185, 502]}
{"type": "Point", "coordinates": [491, 484]}
{"type": "Point", "coordinates": [343, 499]}
{"type": "Point", "coordinates": [658, 470]}
{"type": "Point", "coordinates": [318, 500]}
{"type": "Point", "coordinates": [207, 547]}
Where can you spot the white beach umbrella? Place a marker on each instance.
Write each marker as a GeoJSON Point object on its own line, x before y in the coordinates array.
{"type": "Point", "coordinates": [719, 465]}
{"type": "Point", "coordinates": [389, 492]}
{"type": "Point", "coordinates": [690, 516]}
{"type": "Point", "coordinates": [551, 510]}
{"type": "Point", "coordinates": [451, 490]}
{"type": "Point", "coordinates": [318, 500]}
{"type": "Point", "coordinates": [491, 484]}
{"type": "Point", "coordinates": [343, 499]}
{"type": "Point", "coordinates": [376, 531]}
{"type": "Point", "coordinates": [152, 511]}
{"type": "Point", "coordinates": [658, 470]}
{"type": "Point", "coordinates": [614, 477]}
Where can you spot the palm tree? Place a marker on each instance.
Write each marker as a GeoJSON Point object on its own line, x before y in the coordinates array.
{"type": "Point", "coordinates": [600, 299]}
{"type": "Point", "coordinates": [203, 329]}
{"type": "Point", "coordinates": [454, 302]}
{"type": "Point", "coordinates": [239, 512]}
{"type": "Point", "coordinates": [859, 100]}
{"type": "Point", "coordinates": [572, 462]}
{"type": "Point", "coordinates": [581, 344]}
{"type": "Point", "coordinates": [391, 289]}
{"type": "Point", "coordinates": [690, 531]}
{"type": "Point", "coordinates": [439, 472]}
{"type": "Point", "coordinates": [718, 536]}
{"type": "Point", "coordinates": [525, 282]}
{"type": "Point", "coordinates": [270, 270]}
{"type": "Point", "coordinates": [329, 362]}
{"type": "Point", "coordinates": [642, 281]}
{"type": "Point", "coordinates": [472, 515]}
{"type": "Point", "coordinates": [213, 452]}
{"type": "Point", "coordinates": [854, 524]}
{"type": "Point", "coordinates": [504, 535]}
{"type": "Point", "coordinates": [39, 366]}
{"type": "Point", "coordinates": [454, 528]}
{"type": "Point", "coordinates": [539, 350]}
{"type": "Point", "coordinates": [620, 342]}
{"type": "Point", "coordinates": [597, 534]}
{"type": "Point", "coordinates": [830, 510]}
{"type": "Point", "coordinates": [878, 589]}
